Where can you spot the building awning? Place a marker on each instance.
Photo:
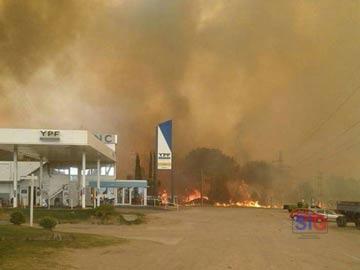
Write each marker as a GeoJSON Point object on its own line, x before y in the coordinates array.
{"type": "Point", "coordinates": [55, 146]}
{"type": "Point", "coordinates": [120, 184]}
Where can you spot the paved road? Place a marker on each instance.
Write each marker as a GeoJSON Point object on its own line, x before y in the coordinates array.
{"type": "Point", "coordinates": [218, 238]}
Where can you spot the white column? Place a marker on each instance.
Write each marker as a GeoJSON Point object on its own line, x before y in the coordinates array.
{"type": "Point", "coordinates": [79, 175]}
{"type": "Point", "coordinates": [115, 196]}
{"type": "Point", "coordinates": [123, 196]}
{"type": "Point", "coordinates": [98, 182]}
{"type": "Point", "coordinates": [130, 195]}
{"type": "Point", "coordinates": [94, 196]}
{"type": "Point", "coordinates": [41, 180]}
{"type": "Point", "coordinates": [145, 196]}
{"type": "Point", "coordinates": [83, 180]}
{"type": "Point", "coordinates": [15, 177]}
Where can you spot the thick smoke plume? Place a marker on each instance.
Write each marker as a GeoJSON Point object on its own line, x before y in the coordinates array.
{"type": "Point", "coordinates": [248, 77]}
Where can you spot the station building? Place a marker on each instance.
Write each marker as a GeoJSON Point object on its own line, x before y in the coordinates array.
{"type": "Point", "coordinates": [73, 168]}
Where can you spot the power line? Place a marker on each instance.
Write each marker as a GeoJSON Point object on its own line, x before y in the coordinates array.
{"type": "Point", "coordinates": [330, 116]}
{"type": "Point", "coordinates": [330, 154]}
{"type": "Point", "coordinates": [326, 120]}
{"type": "Point", "coordinates": [334, 155]}
{"type": "Point", "coordinates": [355, 124]}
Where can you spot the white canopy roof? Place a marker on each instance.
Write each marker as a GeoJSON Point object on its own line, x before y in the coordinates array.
{"type": "Point", "coordinates": [55, 146]}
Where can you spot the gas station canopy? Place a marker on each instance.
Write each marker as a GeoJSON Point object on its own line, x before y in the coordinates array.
{"type": "Point", "coordinates": [55, 146]}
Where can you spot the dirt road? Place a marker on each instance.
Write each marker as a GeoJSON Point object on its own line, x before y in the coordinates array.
{"type": "Point", "coordinates": [217, 238]}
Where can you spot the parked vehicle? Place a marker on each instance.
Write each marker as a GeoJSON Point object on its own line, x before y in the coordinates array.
{"type": "Point", "coordinates": [306, 213]}
{"type": "Point", "coordinates": [329, 214]}
{"type": "Point", "coordinates": [291, 207]}
{"type": "Point", "coordinates": [351, 212]}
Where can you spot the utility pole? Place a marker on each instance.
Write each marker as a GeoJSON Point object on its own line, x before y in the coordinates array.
{"type": "Point", "coordinates": [156, 163]}
{"type": "Point", "coordinates": [280, 160]}
{"type": "Point", "coordinates": [319, 186]}
{"type": "Point", "coordinates": [172, 179]}
{"type": "Point", "coordinates": [201, 187]}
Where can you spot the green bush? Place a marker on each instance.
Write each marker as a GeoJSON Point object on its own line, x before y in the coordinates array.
{"type": "Point", "coordinates": [48, 223]}
{"type": "Point", "coordinates": [105, 212]}
{"type": "Point", "coordinates": [17, 218]}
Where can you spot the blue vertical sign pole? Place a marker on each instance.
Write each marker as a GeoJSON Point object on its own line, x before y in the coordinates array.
{"type": "Point", "coordinates": [164, 151]}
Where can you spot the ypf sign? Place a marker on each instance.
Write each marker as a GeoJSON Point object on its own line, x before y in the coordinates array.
{"type": "Point", "coordinates": [50, 135]}
{"type": "Point", "coordinates": [164, 146]}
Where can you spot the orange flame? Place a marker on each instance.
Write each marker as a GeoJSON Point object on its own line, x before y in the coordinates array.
{"type": "Point", "coordinates": [243, 204]}
{"type": "Point", "coordinates": [194, 195]}
{"type": "Point", "coordinates": [164, 197]}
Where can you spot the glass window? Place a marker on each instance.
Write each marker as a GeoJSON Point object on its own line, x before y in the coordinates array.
{"type": "Point", "coordinates": [108, 170]}
{"type": "Point", "coordinates": [73, 171]}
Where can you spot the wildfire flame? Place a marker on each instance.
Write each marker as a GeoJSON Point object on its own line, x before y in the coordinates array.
{"type": "Point", "coordinates": [246, 203]}
{"type": "Point", "coordinates": [164, 197]}
{"type": "Point", "coordinates": [194, 195]}
{"type": "Point", "coordinates": [243, 204]}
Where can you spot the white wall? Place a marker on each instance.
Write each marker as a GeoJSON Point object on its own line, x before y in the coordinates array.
{"type": "Point", "coordinates": [6, 171]}
{"type": "Point", "coordinates": [5, 190]}
{"type": "Point", "coordinates": [24, 169]}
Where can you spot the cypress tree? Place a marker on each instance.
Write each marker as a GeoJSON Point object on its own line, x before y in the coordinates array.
{"type": "Point", "coordinates": [151, 172]}
{"type": "Point", "coordinates": [138, 175]}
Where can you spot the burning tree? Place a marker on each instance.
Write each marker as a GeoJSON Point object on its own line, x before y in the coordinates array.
{"type": "Point", "coordinates": [266, 181]}
{"type": "Point", "coordinates": [210, 170]}
{"type": "Point", "coordinates": [223, 180]}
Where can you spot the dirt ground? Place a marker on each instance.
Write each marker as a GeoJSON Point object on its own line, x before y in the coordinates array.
{"type": "Point", "coordinates": [217, 238]}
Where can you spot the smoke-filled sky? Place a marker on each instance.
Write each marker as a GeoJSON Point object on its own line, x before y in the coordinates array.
{"type": "Point", "coordinates": [248, 77]}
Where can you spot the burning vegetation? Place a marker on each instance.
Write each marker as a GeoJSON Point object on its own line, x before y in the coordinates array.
{"type": "Point", "coordinates": [195, 196]}
{"type": "Point", "coordinates": [208, 176]}
{"type": "Point", "coordinates": [222, 181]}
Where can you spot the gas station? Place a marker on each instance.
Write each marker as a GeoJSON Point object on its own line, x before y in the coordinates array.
{"type": "Point", "coordinates": [73, 168]}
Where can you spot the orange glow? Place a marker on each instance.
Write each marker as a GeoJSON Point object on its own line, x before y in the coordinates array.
{"type": "Point", "coordinates": [164, 197]}
{"type": "Point", "coordinates": [194, 195]}
{"type": "Point", "coordinates": [243, 204]}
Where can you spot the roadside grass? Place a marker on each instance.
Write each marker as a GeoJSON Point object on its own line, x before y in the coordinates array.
{"type": "Point", "coordinates": [2, 214]}
{"type": "Point", "coordinates": [71, 216]}
{"type": "Point", "coordinates": [62, 215]}
{"type": "Point", "coordinates": [31, 248]}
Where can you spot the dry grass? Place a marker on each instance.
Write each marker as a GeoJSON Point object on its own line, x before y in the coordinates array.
{"type": "Point", "coordinates": [29, 248]}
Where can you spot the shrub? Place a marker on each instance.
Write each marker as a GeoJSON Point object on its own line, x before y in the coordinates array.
{"type": "Point", "coordinates": [48, 223]}
{"type": "Point", "coordinates": [17, 218]}
{"type": "Point", "coordinates": [130, 219]}
{"type": "Point", "coordinates": [104, 212]}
